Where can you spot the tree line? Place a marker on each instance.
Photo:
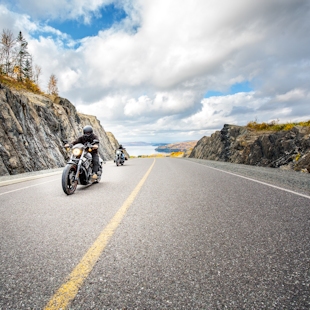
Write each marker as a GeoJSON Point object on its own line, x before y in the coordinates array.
{"type": "Point", "coordinates": [17, 63]}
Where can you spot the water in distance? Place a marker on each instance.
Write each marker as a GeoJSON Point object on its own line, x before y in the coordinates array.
{"type": "Point", "coordinates": [142, 150]}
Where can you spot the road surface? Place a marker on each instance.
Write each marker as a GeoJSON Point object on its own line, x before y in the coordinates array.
{"type": "Point", "coordinates": [155, 234]}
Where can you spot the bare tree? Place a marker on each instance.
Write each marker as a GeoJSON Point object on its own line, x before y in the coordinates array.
{"type": "Point", "coordinates": [7, 51]}
{"type": "Point", "coordinates": [36, 74]}
{"type": "Point", "coordinates": [52, 85]}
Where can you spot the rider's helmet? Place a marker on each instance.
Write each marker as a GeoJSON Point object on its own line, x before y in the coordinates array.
{"type": "Point", "coordinates": [87, 131]}
{"type": "Point", "coordinates": [120, 146]}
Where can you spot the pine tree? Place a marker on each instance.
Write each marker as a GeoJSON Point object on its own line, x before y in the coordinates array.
{"type": "Point", "coordinates": [23, 60]}
{"type": "Point", "coordinates": [27, 69]}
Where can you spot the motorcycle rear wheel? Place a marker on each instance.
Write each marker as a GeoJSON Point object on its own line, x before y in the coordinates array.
{"type": "Point", "coordinates": [69, 185]}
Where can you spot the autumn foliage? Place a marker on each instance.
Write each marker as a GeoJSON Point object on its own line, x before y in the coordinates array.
{"type": "Point", "coordinates": [275, 126]}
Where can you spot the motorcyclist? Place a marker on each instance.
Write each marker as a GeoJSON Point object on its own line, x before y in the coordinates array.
{"type": "Point", "coordinates": [89, 136]}
{"type": "Point", "coordinates": [122, 150]}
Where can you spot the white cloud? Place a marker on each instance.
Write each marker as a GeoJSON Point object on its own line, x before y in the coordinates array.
{"type": "Point", "coordinates": [294, 94]}
{"type": "Point", "coordinates": [147, 76]}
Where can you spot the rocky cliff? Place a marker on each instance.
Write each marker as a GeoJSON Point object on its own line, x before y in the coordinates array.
{"type": "Point", "coordinates": [34, 129]}
{"type": "Point", "coordinates": [237, 144]}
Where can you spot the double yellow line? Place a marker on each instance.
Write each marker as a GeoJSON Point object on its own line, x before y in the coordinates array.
{"type": "Point", "coordinates": [69, 289]}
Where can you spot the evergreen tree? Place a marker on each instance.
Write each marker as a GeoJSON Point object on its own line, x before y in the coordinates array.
{"type": "Point", "coordinates": [23, 62]}
{"type": "Point", "coordinates": [27, 69]}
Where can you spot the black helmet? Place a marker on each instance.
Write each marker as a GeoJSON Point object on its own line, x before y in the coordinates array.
{"type": "Point", "coordinates": [120, 146]}
{"type": "Point", "coordinates": [87, 130]}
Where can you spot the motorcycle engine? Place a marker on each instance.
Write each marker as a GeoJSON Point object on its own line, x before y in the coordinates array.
{"type": "Point", "coordinates": [88, 156]}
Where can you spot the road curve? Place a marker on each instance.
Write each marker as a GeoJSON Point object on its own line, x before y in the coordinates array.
{"type": "Point", "coordinates": [192, 238]}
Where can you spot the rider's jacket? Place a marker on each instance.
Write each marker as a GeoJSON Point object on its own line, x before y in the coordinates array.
{"type": "Point", "coordinates": [83, 139]}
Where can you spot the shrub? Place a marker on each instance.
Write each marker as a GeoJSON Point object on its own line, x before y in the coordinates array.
{"type": "Point", "coordinates": [275, 126]}
{"type": "Point", "coordinates": [176, 154]}
{"type": "Point", "coordinates": [26, 85]}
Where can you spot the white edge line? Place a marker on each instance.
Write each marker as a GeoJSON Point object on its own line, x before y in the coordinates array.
{"type": "Point", "coordinates": [18, 189]}
{"type": "Point", "coordinates": [240, 176]}
{"type": "Point", "coordinates": [13, 181]}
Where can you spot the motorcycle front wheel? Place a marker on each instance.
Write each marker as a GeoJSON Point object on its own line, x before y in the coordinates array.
{"type": "Point", "coordinates": [69, 185]}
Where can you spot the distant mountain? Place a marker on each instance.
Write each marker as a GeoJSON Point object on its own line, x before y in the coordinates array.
{"type": "Point", "coordinates": [185, 147]}
{"type": "Point", "coordinates": [159, 144]}
{"type": "Point", "coordinates": [140, 143]}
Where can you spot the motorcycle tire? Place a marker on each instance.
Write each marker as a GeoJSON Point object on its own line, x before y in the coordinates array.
{"type": "Point", "coordinates": [68, 175]}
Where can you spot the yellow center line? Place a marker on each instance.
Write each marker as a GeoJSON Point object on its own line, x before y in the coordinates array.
{"type": "Point", "coordinates": [69, 289]}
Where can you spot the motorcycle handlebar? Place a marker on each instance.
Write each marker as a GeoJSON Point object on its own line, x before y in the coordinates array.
{"type": "Point", "coordinates": [86, 145]}
{"type": "Point", "coordinates": [91, 145]}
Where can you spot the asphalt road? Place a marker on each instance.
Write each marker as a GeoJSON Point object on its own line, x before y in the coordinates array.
{"type": "Point", "coordinates": [190, 237]}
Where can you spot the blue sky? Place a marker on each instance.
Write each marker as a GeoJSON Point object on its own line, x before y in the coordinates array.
{"type": "Point", "coordinates": [243, 87]}
{"type": "Point", "coordinates": [105, 18]}
{"type": "Point", "coordinates": [172, 70]}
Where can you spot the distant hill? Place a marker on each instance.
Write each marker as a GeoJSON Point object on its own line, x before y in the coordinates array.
{"type": "Point", "coordinates": [185, 147]}
{"type": "Point", "coordinates": [140, 143]}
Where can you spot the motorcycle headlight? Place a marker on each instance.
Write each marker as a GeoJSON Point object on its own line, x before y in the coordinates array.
{"type": "Point", "coordinates": [76, 152]}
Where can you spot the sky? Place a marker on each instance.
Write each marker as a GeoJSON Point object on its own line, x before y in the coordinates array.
{"type": "Point", "coordinates": [171, 70]}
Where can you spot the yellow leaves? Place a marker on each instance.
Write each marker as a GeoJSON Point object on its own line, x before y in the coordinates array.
{"type": "Point", "coordinates": [52, 85]}
{"type": "Point", "coordinates": [275, 126]}
{"type": "Point", "coordinates": [177, 154]}
{"type": "Point", "coordinates": [27, 84]}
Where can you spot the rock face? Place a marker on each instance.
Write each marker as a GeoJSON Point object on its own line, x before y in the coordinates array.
{"type": "Point", "coordinates": [34, 129]}
{"type": "Point", "coordinates": [237, 144]}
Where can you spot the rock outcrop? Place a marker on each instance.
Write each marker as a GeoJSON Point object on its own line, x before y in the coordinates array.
{"type": "Point", "coordinates": [238, 144]}
{"type": "Point", "coordinates": [34, 129]}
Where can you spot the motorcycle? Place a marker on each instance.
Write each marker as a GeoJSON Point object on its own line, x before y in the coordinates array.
{"type": "Point", "coordinates": [119, 158]}
{"type": "Point", "coordinates": [79, 168]}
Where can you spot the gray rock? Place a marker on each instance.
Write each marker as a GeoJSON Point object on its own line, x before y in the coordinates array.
{"type": "Point", "coordinates": [238, 144]}
{"type": "Point", "coordinates": [34, 129]}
